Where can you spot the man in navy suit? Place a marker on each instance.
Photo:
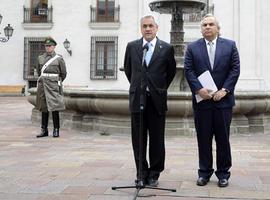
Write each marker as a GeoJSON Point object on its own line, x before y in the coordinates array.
{"type": "Point", "coordinates": [213, 114]}
{"type": "Point", "coordinates": [149, 78]}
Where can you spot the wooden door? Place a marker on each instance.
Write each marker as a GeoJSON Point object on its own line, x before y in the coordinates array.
{"type": "Point", "coordinates": [105, 10]}
{"type": "Point", "coordinates": [39, 10]}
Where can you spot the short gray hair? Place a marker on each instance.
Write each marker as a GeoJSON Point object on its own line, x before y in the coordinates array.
{"type": "Point", "coordinates": [148, 16]}
{"type": "Point", "coordinates": [210, 15]}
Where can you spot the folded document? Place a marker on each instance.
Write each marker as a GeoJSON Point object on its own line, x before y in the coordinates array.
{"type": "Point", "coordinates": [207, 82]}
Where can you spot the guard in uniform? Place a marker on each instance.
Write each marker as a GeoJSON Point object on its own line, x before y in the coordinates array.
{"type": "Point", "coordinates": [51, 69]}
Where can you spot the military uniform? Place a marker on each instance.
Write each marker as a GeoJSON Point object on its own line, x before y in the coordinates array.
{"type": "Point", "coordinates": [49, 89]}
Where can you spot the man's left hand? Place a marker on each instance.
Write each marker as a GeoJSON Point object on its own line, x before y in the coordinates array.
{"type": "Point", "coordinates": [219, 95]}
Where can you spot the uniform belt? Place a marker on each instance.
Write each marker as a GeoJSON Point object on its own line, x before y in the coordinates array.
{"type": "Point", "coordinates": [49, 75]}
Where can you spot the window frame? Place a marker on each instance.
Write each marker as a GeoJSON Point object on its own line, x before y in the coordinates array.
{"type": "Point", "coordinates": [29, 61]}
{"type": "Point", "coordinates": [108, 58]}
{"type": "Point", "coordinates": [106, 17]}
{"type": "Point", "coordinates": [39, 10]}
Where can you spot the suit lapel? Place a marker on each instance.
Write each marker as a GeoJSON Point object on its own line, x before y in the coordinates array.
{"type": "Point", "coordinates": [139, 48]}
{"type": "Point", "coordinates": [204, 51]}
{"type": "Point", "coordinates": [156, 51]}
{"type": "Point", "coordinates": [218, 51]}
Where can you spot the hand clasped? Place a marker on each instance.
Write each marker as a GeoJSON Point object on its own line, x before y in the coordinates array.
{"type": "Point", "coordinates": [219, 95]}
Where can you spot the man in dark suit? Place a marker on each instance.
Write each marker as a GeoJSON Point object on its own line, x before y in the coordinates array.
{"type": "Point", "coordinates": [149, 78]}
{"type": "Point", "coordinates": [213, 114]}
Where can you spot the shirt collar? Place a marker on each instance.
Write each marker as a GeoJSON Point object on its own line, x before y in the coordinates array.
{"type": "Point", "coordinates": [153, 42]}
{"type": "Point", "coordinates": [214, 41]}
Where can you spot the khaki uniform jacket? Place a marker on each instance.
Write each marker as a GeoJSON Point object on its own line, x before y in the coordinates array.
{"type": "Point", "coordinates": [49, 92]}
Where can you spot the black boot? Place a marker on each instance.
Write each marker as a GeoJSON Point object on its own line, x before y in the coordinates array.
{"type": "Point", "coordinates": [43, 133]}
{"type": "Point", "coordinates": [56, 132]}
{"type": "Point", "coordinates": [44, 125]}
{"type": "Point", "coordinates": [56, 124]}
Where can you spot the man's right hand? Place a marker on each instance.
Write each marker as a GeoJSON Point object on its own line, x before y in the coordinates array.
{"type": "Point", "coordinates": [205, 93]}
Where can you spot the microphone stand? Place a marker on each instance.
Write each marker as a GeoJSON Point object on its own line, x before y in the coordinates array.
{"type": "Point", "coordinates": [140, 185]}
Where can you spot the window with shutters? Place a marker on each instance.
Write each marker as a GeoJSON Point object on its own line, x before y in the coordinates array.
{"type": "Point", "coordinates": [105, 10]}
{"type": "Point", "coordinates": [104, 58]}
{"type": "Point", "coordinates": [39, 10]}
{"type": "Point", "coordinates": [33, 47]}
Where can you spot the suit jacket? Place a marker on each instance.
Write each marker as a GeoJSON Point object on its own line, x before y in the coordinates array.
{"type": "Point", "coordinates": [157, 76]}
{"type": "Point", "coordinates": [225, 72]}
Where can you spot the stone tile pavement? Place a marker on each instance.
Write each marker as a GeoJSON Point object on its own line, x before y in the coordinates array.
{"type": "Point", "coordinates": [85, 165]}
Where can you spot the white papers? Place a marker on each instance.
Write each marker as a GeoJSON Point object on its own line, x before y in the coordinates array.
{"type": "Point", "coordinates": [207, 82]}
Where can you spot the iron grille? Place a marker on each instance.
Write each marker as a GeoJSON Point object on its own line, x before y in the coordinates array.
{"type": "Point", "coordinates": [104, 51]}
{"type": "Point", "coordinates": [40, 15]}
{"type": "Point", "coordinates": [33, 47]}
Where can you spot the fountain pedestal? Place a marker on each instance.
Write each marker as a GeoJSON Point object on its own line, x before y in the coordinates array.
{"type": "Point", "coordinates": [177, 8]}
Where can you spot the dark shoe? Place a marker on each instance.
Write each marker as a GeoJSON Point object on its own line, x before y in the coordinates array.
{"type": "Point", "coordinates": [55, 132]}
{"type": "Point", "coordinates": [43, 133]}
{"type": "Point", "coordinates": [202, 181]}
{"type": "Point", "coordinates": [223, 182]}
{"type": "Point", "coordinates": [152, 182]}
{"type": "Point", "coordinates": [140, 183]}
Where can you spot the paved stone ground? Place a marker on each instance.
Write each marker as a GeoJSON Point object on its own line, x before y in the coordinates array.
{"type": "Point", "coordinates": [85, 165]}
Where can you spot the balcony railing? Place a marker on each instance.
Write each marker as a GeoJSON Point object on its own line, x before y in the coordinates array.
{"type": "Point", "coordinates": [37, 15]}
{"type": "Point", "coordinates": [114, 17]}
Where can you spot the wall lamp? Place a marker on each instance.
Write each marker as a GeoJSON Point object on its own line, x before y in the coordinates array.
{"type": "Point", "coordinates": [67, 45]}
{"type": "Point", "coordinates": [8, 30]}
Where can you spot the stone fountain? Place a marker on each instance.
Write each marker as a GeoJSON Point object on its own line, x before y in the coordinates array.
{"type": "Point", "coordinates": [107, 111]}
{"type": "Point", "coordinates": [177, 8]}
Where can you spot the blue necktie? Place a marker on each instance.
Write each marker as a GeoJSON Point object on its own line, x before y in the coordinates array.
{"type": "Point", "coordinates": [149, 54]}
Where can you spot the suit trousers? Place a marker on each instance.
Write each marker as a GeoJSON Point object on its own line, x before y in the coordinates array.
{"type": "Point", "coordinates": [214, 122]}
{"type": "Point", "coordinates": [45, 119]}
{"type": "Point", "coordinates": [154, 126]}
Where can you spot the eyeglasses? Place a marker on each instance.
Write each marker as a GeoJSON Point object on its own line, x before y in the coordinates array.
{"type": "Point", "coordinates": [48, 45]}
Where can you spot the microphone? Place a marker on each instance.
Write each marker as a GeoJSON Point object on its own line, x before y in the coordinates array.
{"type": "Point", "coordinates": [142, 98]}
{"type": "Point", "coordinates": [145, 49]}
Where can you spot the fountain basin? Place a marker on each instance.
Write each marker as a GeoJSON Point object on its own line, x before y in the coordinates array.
{"type": "Point", "coordinates": [107, 111]}
{"type": "Point", "coordinates": [186, 6]}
